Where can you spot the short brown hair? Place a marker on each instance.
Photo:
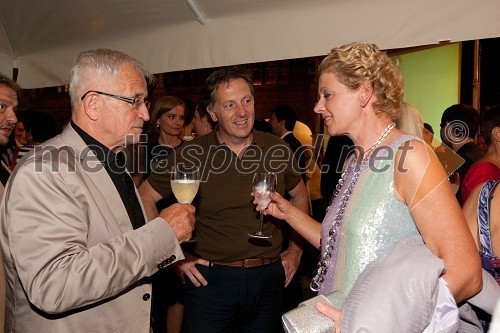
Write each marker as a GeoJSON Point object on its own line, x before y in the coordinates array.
{"type": "Point", "coordinates": [8, 82]}
{"type": "Point", "coordinates": [225, 75]}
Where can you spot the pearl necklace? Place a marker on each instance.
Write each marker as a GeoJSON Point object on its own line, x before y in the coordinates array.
{"type": "Point", "coordinates": [320, 273]}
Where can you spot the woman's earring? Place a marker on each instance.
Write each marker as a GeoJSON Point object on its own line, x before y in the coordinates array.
{"type": "Point", "coordinates": [157, 125]}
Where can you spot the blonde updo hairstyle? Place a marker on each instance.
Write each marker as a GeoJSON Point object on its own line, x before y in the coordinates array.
{"type": "Point", "coordinates": [356, 64]}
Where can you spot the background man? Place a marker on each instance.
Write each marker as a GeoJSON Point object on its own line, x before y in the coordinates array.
{"type": "Point", "coordinates": [459, 126]}
{"type": "Point", "coordinates": [428, 134]}
{"type": "Point", "coordinates": [77, 250]}
{"type": "Point", "coordinates": [234, 282]}
{"type": "Point", "coordinates": [282, 120]}
{"type": "Point", "coordinates": [9, 92]}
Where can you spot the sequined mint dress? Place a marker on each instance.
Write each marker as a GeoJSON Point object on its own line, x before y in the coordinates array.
{"type": "Point", "coordinates": [373, 221]}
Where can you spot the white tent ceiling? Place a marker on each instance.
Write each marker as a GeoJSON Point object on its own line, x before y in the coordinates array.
{"type": "Point", "coordinates": [41, 38]}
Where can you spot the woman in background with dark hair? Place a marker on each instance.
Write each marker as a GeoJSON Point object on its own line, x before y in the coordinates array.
{"type": "Point", "coordinates": [33, 128]}
{"type": "Point", "coordinates": [163, 133]}
{"type": "Point", "coordinates": [188, 132]}
{"type": "Point", "coordinates": [488, 166]}
{"type": "Point", "coordinates": [203, 122]}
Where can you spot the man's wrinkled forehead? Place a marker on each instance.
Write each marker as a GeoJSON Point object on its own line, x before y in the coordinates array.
{"type": "Point", "coordinates": [8, 95]}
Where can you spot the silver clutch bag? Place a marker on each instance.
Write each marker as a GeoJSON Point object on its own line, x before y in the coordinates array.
{"type": "Point", "coordinates": [307, 319]}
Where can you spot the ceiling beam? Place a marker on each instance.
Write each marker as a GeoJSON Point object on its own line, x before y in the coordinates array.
{"type": "Point", "coordinates": [3, 29]}
{"type": "Point", "coordinates": [200, 16]}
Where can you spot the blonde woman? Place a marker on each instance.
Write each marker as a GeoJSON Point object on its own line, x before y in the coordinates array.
{"type": "Point", "coordinates": [393, 186]}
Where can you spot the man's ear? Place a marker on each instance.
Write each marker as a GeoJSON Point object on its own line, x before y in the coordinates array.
{"type": "Point", "coordinates": [495, 133]}
{"type": "Point", "coordinates": [365, 94]}
{"type": "Point", "coordinates": [282, 124]}
{"type": "Point", "coordinates": [91, 105]}
{"type": "Point", "coordinates": [211, 113]}
{"type": "Point", "coordinates": [204, 120]}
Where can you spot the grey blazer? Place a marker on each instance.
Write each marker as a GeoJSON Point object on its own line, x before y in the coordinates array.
{"type": "Point", "coordinates": [73, 261]}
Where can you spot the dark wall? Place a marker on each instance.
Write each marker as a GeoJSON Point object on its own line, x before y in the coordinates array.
{"type": "Point", "coordinates": [292, 82]}
{"type": "Point", "coordinates": [490, 72]}
{"type": "Point", "coordinates": [489, 54]}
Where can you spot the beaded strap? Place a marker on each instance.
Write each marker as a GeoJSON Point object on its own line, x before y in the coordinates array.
{"type": "Point", "coordinates": [322, 268]}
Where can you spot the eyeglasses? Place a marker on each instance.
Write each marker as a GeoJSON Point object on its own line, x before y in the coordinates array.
{"type": "Point", "coordinates": [137, 103]}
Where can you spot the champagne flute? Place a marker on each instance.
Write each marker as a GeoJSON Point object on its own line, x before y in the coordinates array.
{"type": "Point", "coordinates": [262, 185]}
{"type": "Point", "coordinates": [185, 182]}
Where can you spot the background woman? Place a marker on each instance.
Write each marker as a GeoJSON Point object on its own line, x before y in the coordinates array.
{"type": "Point", "coordinates": [488, 166]}
{"type": "Point", "coordinates": [164, 128]}
{"type": "Point", "coordinates": [32, 128]}
{"type": "Point", "coordinates": [484, 223]}
{"type": "Point", "coordinates": [187, 132]}
{"type": "Point", "coordinates": [393, 185]}
{"type": "Point", "coordinates": [167, 121]}
{"type": "Point", "coordinates": [203, 123]}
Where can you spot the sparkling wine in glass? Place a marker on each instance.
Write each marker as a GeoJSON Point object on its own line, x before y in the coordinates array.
{"type": "Point", "coordinates": [262, 186]}
{"type": "Point", "coordinates": [185, 182]}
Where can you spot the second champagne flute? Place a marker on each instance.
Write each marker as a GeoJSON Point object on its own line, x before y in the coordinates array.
{"type": "Point", "coordinates": [262, 186]}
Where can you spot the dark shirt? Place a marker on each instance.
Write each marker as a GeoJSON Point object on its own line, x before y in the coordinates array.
{"type": "Point", "coordinates": [115, 166]}
{"type": "Point", "coordinates": [4, 174]}
{"type": "Point", "coordinates": [337, 150]}
{"type": "Point", "coordinates": [225, 213]}
{"type": "Point", "coordinates": [156, 153]}
{"type": "Point", "coordinates": [298, 152]}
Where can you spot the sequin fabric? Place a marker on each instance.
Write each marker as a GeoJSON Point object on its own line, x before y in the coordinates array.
{"type": "Point", "coordinates": [374, 220]}
{"type": "Point", "coordinates": [490, 262]}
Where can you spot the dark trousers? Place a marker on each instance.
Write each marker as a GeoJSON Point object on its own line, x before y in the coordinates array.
{"type": "Point", "coordinates": [167, 290]}
{"type": "Point", "coordinates": [235, 300]}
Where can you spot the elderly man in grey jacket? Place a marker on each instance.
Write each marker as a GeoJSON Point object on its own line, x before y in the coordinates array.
{"type": "Point", "coordinates": [78, 253]}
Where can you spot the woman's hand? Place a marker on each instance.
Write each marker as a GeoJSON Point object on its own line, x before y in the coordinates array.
{"type": "Point", "coordinates": [331, 312]}
{"type": "Point", "coordinates": [279, 207]}
{"type": "Point", "coordinates": [299, 220]}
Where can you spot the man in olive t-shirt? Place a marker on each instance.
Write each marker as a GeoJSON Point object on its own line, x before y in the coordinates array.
{"type": "Point", "coordinates": [234, 282]}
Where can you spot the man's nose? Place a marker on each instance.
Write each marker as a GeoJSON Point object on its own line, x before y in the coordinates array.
{"type": "Point", "coordinates": [241, 109]}
{"type": "Point", "coordinates": [11, 116]}
{"type": "Point", "coordinates": [144, 113]}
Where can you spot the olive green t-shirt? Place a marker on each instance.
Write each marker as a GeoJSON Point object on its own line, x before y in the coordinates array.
{"type": "Point", "coordinates": [225, 213]}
